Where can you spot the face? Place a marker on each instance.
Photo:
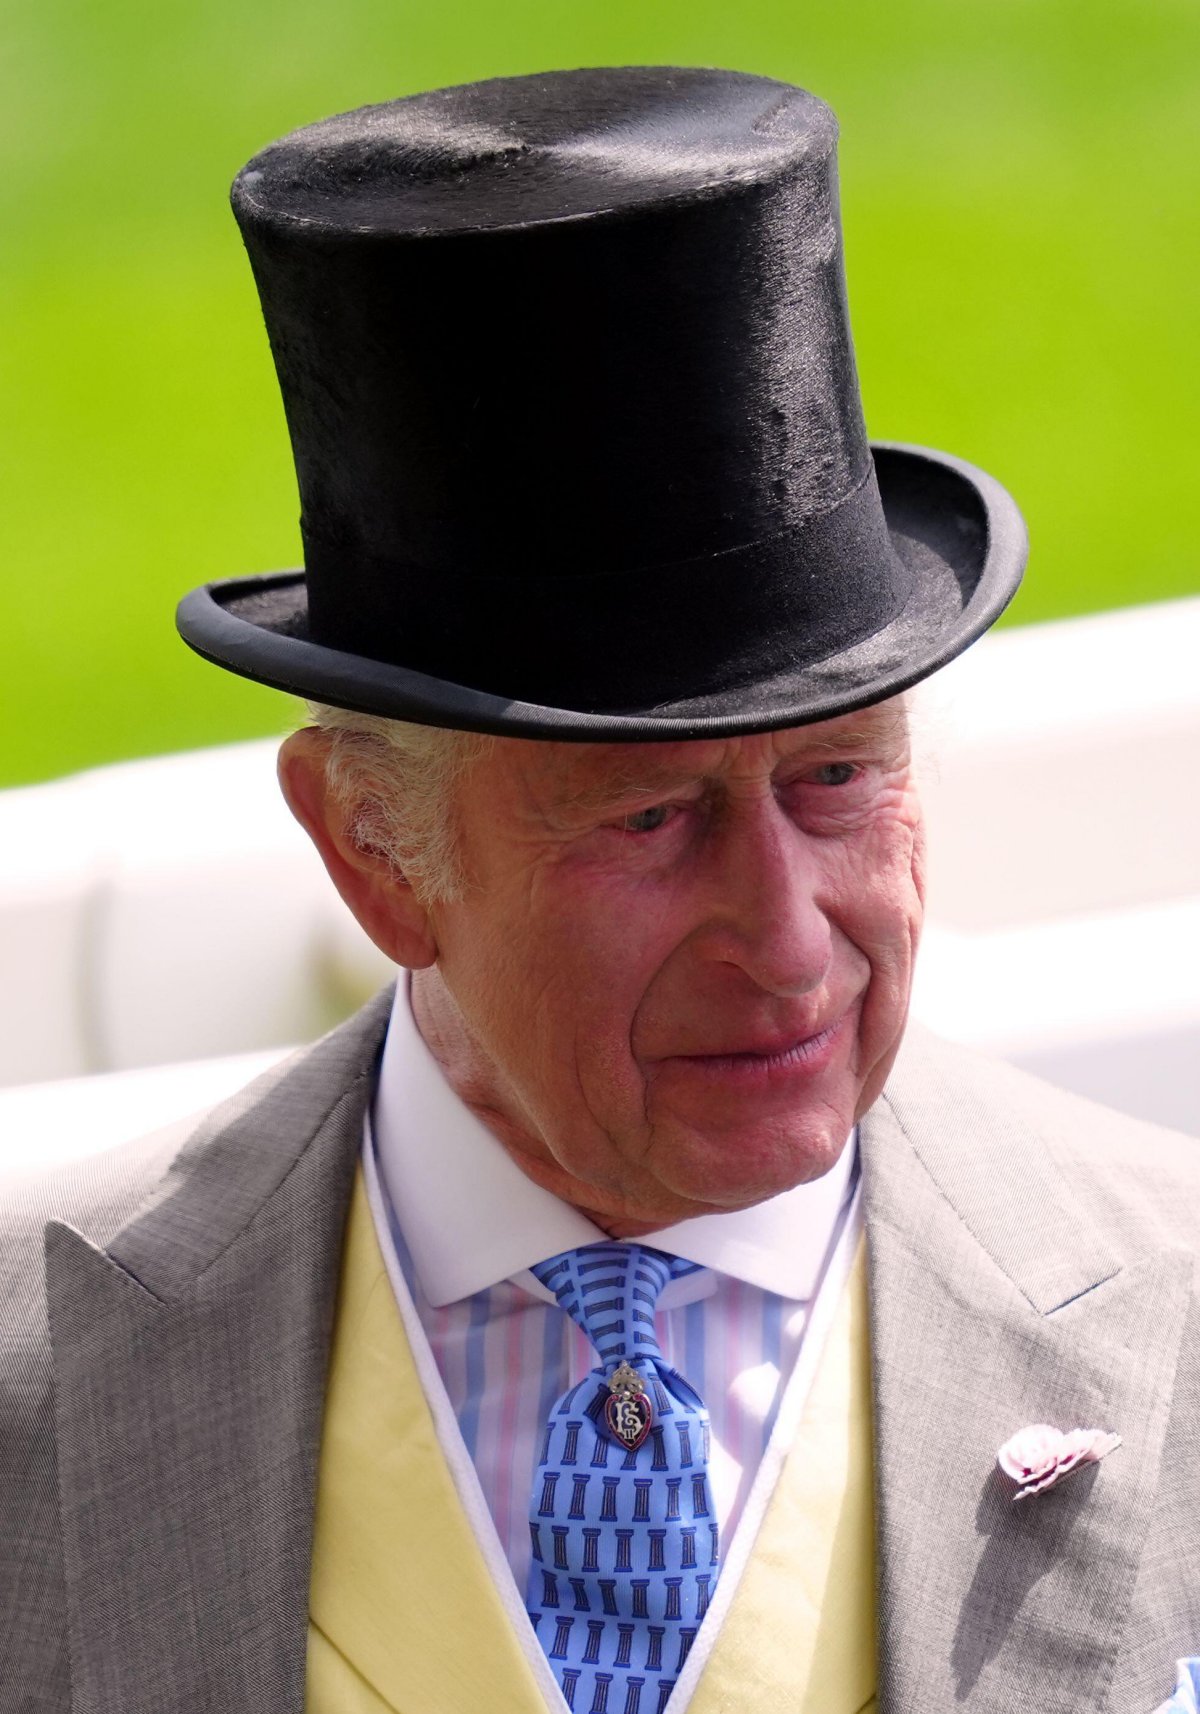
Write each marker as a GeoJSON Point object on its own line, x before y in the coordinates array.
{"type": "Point", "coordinates": [680, 971]}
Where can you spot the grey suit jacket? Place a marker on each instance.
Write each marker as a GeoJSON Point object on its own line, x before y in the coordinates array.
{"type": "Point", "coordinates": [166, 1319]}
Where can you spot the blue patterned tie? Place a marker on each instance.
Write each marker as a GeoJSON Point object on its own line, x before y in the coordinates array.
{"type": "Point", "coordinates": [622, 1526]}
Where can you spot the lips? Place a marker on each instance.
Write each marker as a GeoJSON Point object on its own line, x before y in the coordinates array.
{"type": "Point", "coordinates": [765, 1051]}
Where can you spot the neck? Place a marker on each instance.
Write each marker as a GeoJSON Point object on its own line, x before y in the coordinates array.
{"type": "Point", "coordinates": [480, 1084]}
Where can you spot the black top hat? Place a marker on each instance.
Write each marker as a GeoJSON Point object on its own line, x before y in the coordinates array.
{"type": "Point", "coordinates": [567, 368]}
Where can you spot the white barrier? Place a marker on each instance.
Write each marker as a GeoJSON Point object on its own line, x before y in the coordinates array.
{"type": "Point", "coordinates": [165, 910]}
{"type": "Point", "coordinates": [170, 910]}
{"type": "Point", "coordinates": [1063, 807]}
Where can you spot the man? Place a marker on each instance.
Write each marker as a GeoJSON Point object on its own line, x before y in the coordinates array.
{"type": "Point", "coordinates": [609, 1319]}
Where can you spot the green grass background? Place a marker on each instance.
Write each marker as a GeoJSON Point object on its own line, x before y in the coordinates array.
{"type": "Point", "coordinates": [1020, 202]}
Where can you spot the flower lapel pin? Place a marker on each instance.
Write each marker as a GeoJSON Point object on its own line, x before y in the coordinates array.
{"type": "Point", "coordinates": [1039, 1457]}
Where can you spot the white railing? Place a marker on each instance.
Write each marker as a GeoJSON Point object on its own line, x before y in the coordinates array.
{"type": "Point", "coordinates": [169, 910]}
{"type": "Point", "coordinates": [1064, 830]}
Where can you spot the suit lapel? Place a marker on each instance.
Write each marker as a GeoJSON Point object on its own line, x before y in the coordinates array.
{"type": "Point", "coordinates": [190, 1356]}
{"type": "Point", "coordinates": [993, 1305]}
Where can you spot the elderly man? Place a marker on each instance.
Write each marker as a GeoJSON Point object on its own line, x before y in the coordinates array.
{"type": "Point", "coordinates": [611, 1320]}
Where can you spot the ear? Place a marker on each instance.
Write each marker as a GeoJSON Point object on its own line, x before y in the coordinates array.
{"type": "Point", "coordinates": [376, 892]}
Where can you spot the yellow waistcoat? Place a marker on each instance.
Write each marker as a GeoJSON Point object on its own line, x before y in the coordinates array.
{"type": "Point", "coordinates": [406, 1619]}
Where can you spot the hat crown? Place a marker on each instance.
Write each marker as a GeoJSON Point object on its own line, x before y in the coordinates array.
{"type": "Point", "coordinates": [542, 331]}
{"type": "Point", "coordinates": [518, 151]}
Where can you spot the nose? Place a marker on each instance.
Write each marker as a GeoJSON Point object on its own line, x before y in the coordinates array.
{"type": "Point", "coordinates": [767, 913]}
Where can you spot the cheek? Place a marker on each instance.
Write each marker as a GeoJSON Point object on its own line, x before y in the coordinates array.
{"type": "Point", "coordinates": [884, 907]}
{"type": "Point", "coordinates": [872, 894]}
{"type": "Point", "coordinates": [605, 941]}
{"type": "Point", "coordinates": [550, 977]}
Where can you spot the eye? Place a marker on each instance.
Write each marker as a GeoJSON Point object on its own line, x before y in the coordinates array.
{"type": "Point", "coordinates": [648, 820]}
{"type": "Point", "coordinates": [834, 774]}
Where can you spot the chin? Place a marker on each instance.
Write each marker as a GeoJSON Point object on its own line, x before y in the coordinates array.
{"type": "Point", "coordinates": [725, 1175]}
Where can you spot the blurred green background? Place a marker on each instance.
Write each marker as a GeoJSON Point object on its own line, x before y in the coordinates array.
{"type": "Point", "coordinates": [1020, 202]}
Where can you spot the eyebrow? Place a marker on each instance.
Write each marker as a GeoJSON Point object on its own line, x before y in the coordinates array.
{"type": "Point", "coordinates": [645, 782]}
{"type": "Point", "coordinates": [885, 724]}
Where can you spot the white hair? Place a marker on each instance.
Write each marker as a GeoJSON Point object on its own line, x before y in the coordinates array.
{"type": "Point", "coordinates": [397, 781]}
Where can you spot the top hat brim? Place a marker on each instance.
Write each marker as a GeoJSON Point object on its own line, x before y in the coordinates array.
{"type": "Point", "coordinates": [955, 529]}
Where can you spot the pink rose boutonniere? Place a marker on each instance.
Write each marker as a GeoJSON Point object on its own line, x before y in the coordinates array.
{"type": "Point", "coordinates": [1039, 1457]}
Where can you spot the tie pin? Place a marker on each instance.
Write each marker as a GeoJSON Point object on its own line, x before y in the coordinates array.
{"type": "Point", "coordinates": [627, 1410]}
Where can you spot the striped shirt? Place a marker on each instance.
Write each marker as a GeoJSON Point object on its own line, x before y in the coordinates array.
{"type": "Point", "coordinates": [464, 1223]}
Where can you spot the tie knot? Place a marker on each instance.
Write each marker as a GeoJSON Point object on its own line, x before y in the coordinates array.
{"type": "Point", "coordinates": [611, 1292]}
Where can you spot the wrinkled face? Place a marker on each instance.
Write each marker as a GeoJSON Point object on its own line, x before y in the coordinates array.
{"type": "Point", "coordinates": [684, 968]}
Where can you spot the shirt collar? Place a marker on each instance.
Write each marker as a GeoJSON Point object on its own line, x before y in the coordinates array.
{"type": "Point", "coordinates": [470, 1216]}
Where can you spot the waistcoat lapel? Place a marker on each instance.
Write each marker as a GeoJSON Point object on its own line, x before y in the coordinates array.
{"type": "Point", "coordinates": [403, 1604]}
{"type": "Point", "coordinates": [800, 1630]}
{"type": "Point", "coordinates": [190, 1355]}
{"type": "Point", "coordinates": [995, 1303]}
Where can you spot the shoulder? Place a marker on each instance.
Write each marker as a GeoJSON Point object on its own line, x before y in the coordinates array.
{"type": "Point", "coordinates": [1126, 1173]}
{"type": "Point", "coordinates": [96, 1195]}
{"type": "Point", "coordinates": [100, 1194]}
{"type": "Point", "coordinates": [91, 1190]}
